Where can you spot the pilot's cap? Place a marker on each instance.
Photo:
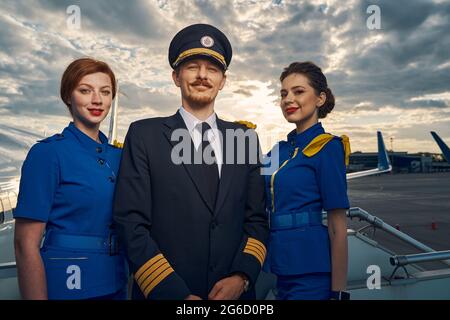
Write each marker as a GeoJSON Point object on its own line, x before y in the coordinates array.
{"type": "Point", "coordinates": [200, 41]}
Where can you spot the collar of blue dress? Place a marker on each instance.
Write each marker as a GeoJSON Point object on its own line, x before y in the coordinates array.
{"type": "Point", "coordinates": [85, 140]}
{"type": "Point", "coordinates": [302, 139]}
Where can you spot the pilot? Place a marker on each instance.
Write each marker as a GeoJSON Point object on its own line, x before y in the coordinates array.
{"type": "Point", "coordinates": [309, 259]}
{"type": "Point", "coordinates": [66, 190]}
{"type": "Point", "coordinates": [192, 230]}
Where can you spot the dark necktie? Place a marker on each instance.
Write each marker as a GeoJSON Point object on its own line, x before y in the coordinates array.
{"type": "Point", "coordinates": [210, 171]}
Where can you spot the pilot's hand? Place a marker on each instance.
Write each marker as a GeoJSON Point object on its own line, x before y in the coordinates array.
{"type": "Point", "coordinates": [229, 288]}
{"type": "Point", "coordinates": [192, 297]}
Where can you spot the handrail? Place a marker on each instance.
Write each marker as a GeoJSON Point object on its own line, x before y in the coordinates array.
{"type": "Point", "coordinates": [8, 270]}
{"type": "Point", "coordinates": [8, 201]}
{"type": "Point", "coordinates": [357, 212]}
{"type": "Point", "coordinates": [9, 183]}
{"type": "Point", "coordinates": [7, 265]}
{"type": "Point", "coordinates": [403, 260]}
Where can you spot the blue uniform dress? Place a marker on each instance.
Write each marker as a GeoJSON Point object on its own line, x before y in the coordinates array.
{"type": "Point", "coordinates": [68, 182]}
{"type": "Point", "coordinates": [301, 186]}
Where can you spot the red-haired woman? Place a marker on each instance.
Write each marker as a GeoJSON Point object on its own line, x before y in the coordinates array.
{"type": "Point", "coordinates": [66, 191]}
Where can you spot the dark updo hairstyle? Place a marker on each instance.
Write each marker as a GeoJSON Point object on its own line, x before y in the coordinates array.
{"type": "Point", "coordinates": [317, 80]}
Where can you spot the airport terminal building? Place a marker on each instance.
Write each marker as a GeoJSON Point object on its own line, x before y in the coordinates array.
{"type": "Point", "coordinates": [402, 162]}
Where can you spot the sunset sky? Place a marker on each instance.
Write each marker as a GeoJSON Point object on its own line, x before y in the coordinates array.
{"type": "Point", "coordinates": [395, 79]}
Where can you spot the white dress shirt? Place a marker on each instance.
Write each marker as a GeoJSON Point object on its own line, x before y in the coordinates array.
{"type": "Point", "coordinates": [194, 127]}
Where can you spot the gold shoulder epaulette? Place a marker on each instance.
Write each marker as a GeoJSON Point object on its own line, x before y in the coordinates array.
{"type": "Point", "coordinates": [248, 124]}
{"type": "Point", "coordinates": [347, 151]}
{"type": "Point", "coordinates": [118, 144]}
{"type": "Point", "coordinates": [321, 140]}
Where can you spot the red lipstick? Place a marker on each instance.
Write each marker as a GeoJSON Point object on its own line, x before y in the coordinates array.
{"type": "Point", "coordinates": [95, 112]}
{"type": "Point", "coordinates": [291, 110]}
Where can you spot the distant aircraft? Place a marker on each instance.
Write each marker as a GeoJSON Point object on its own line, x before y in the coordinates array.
{"type": "Point", "coordinates": [384, 165]}
{"type": "Point", "coordinates": [444, 148]}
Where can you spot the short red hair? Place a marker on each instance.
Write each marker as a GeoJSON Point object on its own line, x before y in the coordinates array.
{"type": "Point", "coordinates": [77, 70]}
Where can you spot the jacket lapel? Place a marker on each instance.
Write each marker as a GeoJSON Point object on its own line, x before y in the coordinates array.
{"type": "Point", "coordinates": [227, 171]}
{"type": "Point", "coordinates": [171, 124]}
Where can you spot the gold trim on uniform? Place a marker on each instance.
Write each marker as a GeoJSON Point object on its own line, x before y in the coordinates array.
{"type": "Point", "coordinates": [272, 178]}
{"type": "Point", "coordinates": [256, 248]}
{"type": "Point", "coordinates": [248, 124]}
{"type": "Point", "coordinates": [164, 274]}
{"type": "Point", "coordinates": [152, 273]}
{"type": "Point", "coordinates": [321, 140]}
{"type": "Point", "coordinates": [347, 150]}
{"type": "Point", "coordinates": [195, 51]}
{"type": "Point", "coordinates": [118, 144]}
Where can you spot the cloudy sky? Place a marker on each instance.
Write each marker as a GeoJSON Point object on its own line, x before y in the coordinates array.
{"type": "Point", "coordinates": [395, 79]}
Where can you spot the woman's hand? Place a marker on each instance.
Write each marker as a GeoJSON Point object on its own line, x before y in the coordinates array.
{"type": "Point", "coordinates": [30, 268]}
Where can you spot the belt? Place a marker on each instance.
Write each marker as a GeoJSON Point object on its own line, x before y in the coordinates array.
{"type": "Point", "coordinates": [292, 220]}
{"type": "Point", "coordinates": [108, 244]}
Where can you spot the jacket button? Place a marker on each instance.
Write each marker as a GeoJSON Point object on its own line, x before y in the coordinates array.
{"type": "Point", "coordinates": [101, 161]}
{"type": "Point", "coordinates": [111, 179]}
{"type": "Point", "coordinates": [99, 149]}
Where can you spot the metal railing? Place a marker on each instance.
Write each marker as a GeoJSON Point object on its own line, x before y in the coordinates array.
{"type": "Point", "coordinates": [9, 183]}
{"type": "Point", "coordinates": [403, 260]}
{"type": "Point", "coordinates": [357, 212]}
{"type": "Point", "coordinates": [8, 270]}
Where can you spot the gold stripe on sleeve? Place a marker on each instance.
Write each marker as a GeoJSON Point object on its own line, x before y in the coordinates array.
{"type": "Point", "coordinates": [157, 280]}
{"type": "Point", "coordinates": [255, 254]}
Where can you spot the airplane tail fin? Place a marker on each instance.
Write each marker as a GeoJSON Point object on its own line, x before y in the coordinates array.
{"type": "Point", "coordinates": [444, 148]}
{"type": "Point", "coordinates": [383, 159]}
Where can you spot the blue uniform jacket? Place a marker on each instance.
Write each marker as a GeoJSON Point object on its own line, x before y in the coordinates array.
{"type": "Point", "coordinates": [306, 185]}
{"type": "Point", "coordinates": [68, 182]}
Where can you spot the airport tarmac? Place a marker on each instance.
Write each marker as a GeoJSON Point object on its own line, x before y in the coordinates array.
{"type": "Point", "coordinates": [410, 201]}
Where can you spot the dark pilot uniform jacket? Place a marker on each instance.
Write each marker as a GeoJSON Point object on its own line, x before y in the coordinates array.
{"type": "Point", "coordinates": [179, 243]}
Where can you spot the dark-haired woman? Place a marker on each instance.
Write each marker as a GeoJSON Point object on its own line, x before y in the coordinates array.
{"type": "Point", "coordinates": [66, 190]}
{"type": "Point", "coordinates": [309, 258]}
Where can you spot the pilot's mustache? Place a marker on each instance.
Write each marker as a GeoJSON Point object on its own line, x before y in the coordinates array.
{"type": "Point", "coordinates": [199, 82]}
